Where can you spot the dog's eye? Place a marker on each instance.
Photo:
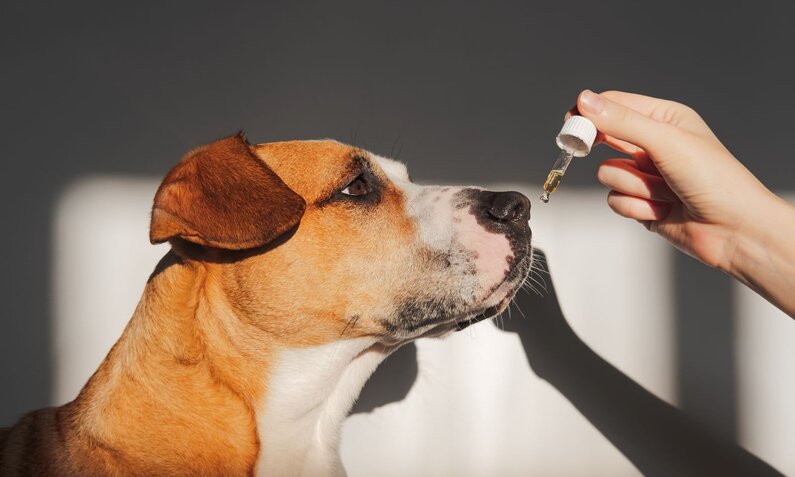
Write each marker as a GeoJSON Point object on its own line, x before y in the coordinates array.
{"type": "Point", "coordinates": [357, 188]}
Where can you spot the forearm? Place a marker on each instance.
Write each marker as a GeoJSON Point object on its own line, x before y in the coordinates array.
{"type": "Point", "coordinates": [764, 255]}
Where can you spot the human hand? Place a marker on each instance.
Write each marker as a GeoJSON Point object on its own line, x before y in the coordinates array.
{"type": "Point", "coordinates": [682, 183]}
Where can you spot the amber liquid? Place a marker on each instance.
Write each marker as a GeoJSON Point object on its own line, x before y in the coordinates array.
{"type": "Point", "coordinates": [552, 182]}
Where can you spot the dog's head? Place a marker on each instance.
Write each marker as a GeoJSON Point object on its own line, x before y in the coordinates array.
{"type": "Point", "coordinates": [315, 241]}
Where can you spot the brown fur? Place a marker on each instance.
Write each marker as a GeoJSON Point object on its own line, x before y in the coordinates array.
{"type": "Point", "coordinates": [176, 394]}
{"type": "Point", "coordinates": [222, 195]}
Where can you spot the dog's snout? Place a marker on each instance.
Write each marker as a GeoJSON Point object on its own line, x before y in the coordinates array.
{"type": "Point", "coordinates": [509, 206]}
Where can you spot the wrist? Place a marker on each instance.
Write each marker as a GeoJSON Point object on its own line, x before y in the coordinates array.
{"type": "Point", "coordinates": [757, 241]}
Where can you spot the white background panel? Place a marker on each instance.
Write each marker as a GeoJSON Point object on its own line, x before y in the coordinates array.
{"type": "Point", "coordinates": [476, 407]}
{"type": "Point", "coordinates": [766, 376]}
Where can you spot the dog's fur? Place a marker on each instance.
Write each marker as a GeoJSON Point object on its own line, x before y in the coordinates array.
{"type": "Point", "coordinates": [284, 289]}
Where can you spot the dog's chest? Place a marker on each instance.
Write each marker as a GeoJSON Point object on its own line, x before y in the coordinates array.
{"type": "Point", "coordinates": [309, 393]}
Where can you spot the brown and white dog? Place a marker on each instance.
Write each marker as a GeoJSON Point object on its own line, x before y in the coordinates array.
{"type": "Point", "coordinates": [295, 269]}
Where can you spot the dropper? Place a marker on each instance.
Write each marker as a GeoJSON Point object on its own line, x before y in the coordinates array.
{"type": "Point", "coordinates": [574, 140]}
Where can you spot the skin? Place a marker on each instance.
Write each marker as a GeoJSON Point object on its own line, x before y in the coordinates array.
{"type": "Point", "coordinates": [682, 183]}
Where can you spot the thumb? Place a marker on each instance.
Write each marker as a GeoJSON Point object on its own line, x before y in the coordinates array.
{"type": "Point", "coordinates": [624, 123]}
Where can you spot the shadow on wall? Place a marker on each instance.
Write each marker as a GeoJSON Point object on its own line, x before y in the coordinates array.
{"type": "Point", "coordinates": [658, 438]}
{"type": "Point", "coordinates": [391, 381]}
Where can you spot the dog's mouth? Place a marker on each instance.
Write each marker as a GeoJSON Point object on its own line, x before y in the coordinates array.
{"type": "Point", "coordinates": [487, 314]}
{"type": "Point", "coordinates": [438, 317]}
{"type": "Point", "coordinates": [513, 282]}
{"type": "Point", "coordinates": [508, 288]}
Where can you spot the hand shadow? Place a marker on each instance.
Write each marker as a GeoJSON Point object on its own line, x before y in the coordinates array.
{"type": "Point", "coordinates": [391, 381]}
{"type": "Point", "coordinates": [658, 438]}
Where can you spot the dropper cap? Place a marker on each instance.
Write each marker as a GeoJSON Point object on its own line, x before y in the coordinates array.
{"type": "Point", "coordinates": [577, 136]}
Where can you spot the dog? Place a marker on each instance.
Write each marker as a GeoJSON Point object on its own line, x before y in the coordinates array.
{"type": "Point", "coordinates": [295, 268]}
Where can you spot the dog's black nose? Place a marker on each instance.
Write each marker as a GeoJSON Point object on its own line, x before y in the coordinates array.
{"type": "Point", "coordinates": [509, 206]}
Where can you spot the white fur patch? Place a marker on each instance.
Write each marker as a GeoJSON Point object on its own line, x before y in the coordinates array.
{"type": "Point", "coordinates": [442, 227]}
{"type": "Point", "coordinates": [309, 394]}
{"type": "Point", "coordinates": [395, 170]}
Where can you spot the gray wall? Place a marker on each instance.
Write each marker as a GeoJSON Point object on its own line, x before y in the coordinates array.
{"type": "Point", "coordinates": [462, 91]}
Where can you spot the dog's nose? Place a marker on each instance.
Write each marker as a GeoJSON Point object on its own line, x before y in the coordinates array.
{"type": "Point", "coordinates": [508, 206]}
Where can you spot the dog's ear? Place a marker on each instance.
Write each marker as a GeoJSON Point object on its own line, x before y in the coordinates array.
{"type": "Point", "coordinates": [222, 195]}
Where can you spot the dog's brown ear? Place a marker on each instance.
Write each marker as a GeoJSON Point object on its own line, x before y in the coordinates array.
{"type": "Point", "coordinates": [224, 196]}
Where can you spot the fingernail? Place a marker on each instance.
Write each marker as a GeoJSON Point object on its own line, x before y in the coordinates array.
{"type": "Point", "coordinates": [591, 102]}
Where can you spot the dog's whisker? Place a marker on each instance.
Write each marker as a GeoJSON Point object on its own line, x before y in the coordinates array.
{"type": "Point", "coordinates": [540, 281]}
{"type": "Point", "coordinates": [519, 309]}
{"type": "Point", "coordinates": [529, 286]}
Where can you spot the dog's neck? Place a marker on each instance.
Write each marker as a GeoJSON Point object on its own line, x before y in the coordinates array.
{"type": "Point", "coordinates": [193, 388]}
{"type": "Point", "coordinates": [310, 391]}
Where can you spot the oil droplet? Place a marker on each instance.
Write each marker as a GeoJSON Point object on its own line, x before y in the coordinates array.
{"type": "Point", "coordinates": [552, 182]}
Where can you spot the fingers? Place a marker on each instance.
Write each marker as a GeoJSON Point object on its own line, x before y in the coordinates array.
{"type": "Point", "coordinates": [637, 208]}
{"type": "Point", "coordinates": [662, 110]}
{"type": "Point", "coordinates": [642, 160]}
{"type": "Point", "coordinates": [645, 164]}
{"type": "Point", "coordinates": [615, 143]}
{"type": "Point", "coordinates": [658, 109]}
{"type": "Point", "coordinates": [648, 224]}
{"type": "Point", "coordinates": [620, 146]}
{"type": "Point", "coordinates": [624, 123]}
{"type": "Point", "coordinates": [600, 137]}
{"type": "Point", "coordinates": [625, 176]}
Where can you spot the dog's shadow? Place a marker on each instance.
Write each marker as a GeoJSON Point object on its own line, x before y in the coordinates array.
{"type": "Point", "coordinates": [658, 438]}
